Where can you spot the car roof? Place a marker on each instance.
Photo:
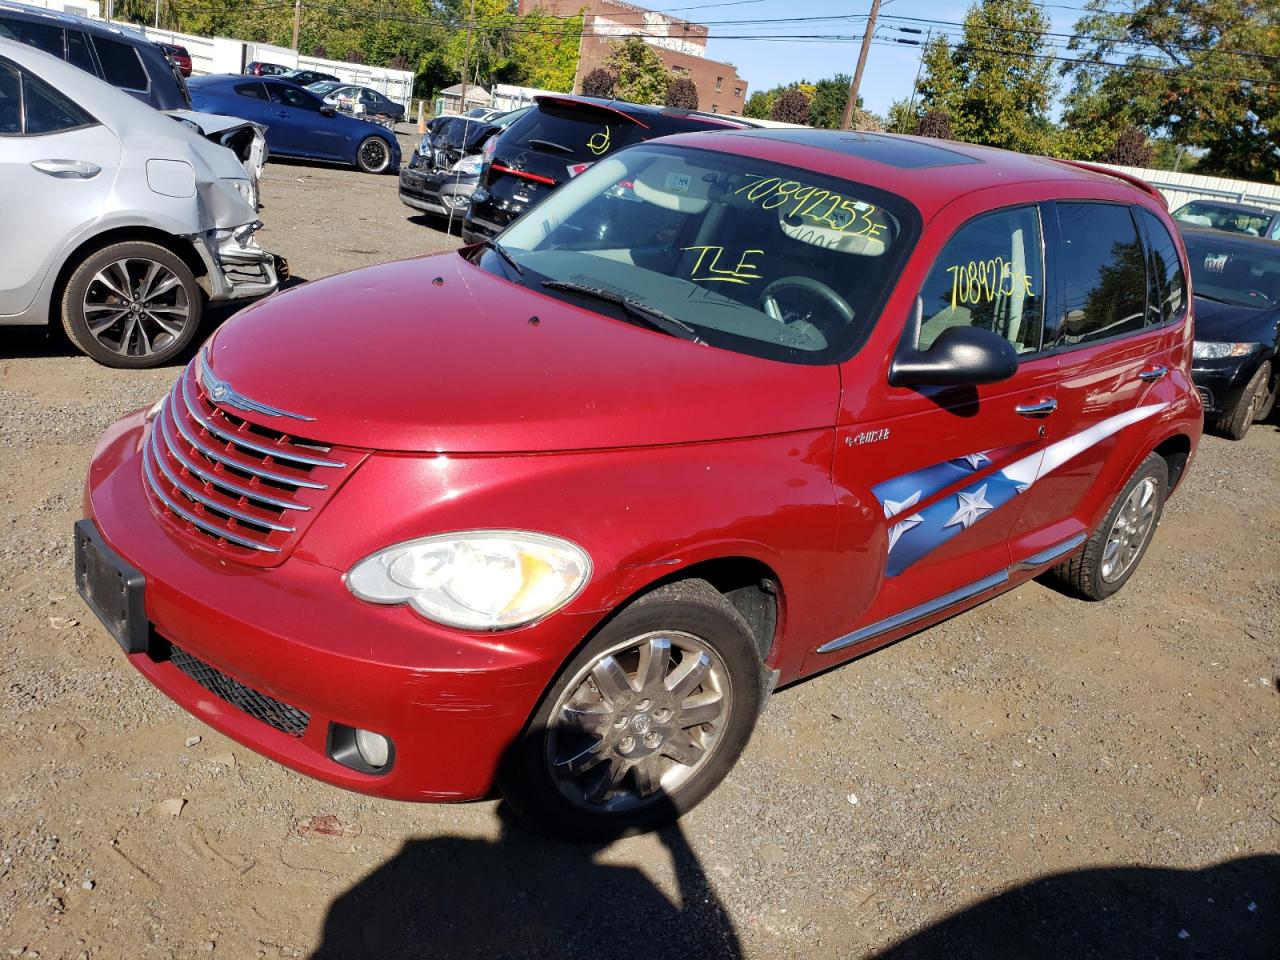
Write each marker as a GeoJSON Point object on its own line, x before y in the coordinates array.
{"type": "Point", "coordinates": [73, 20]}
{"type": "Point", "coordinates": [896, 163]}
{"type": "Point", "coordinates": [642, 111]}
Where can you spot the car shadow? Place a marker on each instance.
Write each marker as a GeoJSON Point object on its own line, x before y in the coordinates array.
{"type": "Point", "coordinates": [453, 226]}
{"type": "Point", "coordinates": [526, 896]}
{"type": "Point", "coordinates": [1229, 911]}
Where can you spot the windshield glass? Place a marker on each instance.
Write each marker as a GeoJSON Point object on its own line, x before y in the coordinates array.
{"type": "Point", "coordinates": [1223, 216]}
{"type": "Point", "coordinates": [1239, 272]}
{"type": "Point", "coordinates": [757, 257]}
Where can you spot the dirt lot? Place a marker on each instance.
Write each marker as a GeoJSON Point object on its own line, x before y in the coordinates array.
{"type": "Point", "coordinates": [1037, 778]}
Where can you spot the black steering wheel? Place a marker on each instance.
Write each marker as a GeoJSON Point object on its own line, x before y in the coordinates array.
{"type": "Point", "coordinates": [798, 329]}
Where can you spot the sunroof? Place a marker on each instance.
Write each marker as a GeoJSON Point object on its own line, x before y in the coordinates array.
{"type": "Point", "coordinates": [899, 152]}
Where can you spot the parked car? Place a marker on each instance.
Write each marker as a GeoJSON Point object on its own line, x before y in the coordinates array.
{"type": "Point", "coordinates": [357, 100]}
{"type": "Point", "coordinates": [1230, 217]}
{"type": "Point", "coordinates": [305, 77]}
{"type": "Point", "coordinates": [178, 56]}
{"type": "Point", "coordinates": [558, 139]}
{"type": "Point", "coordinates": [298, 123]}
{"type": "Point", "coordinates": [1236, 279]}
{"type": "Point", "coordinates": [119, 223]}
{"type": "Point", "coordinates": [258, 68]}
{"type": "Point", "coordinates": [444, 170]}
{"type": "Point", "coordinates": [482, 113]}
{"type": "Point", "coordinates": [557, 511]}
{"type": "Point", "coordinates": [122, 57]}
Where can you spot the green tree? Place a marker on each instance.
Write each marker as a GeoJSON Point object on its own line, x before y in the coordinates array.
{"type": "Point", "coordinates": [760, 104]}
{"type": "Point", "coordinates": [544, 51]}
{"type": "Point", "coordinates": [997, 82]}
{"type": "Point", "coordinates": [641, 74]}
{"type": "Point", "coordinates": [826, 107]}
{"type": "Point", "coordinates": [1210, 69]}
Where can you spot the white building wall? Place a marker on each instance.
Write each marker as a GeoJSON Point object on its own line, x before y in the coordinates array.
{"type": "Point", "coordinates": [1180, 188]}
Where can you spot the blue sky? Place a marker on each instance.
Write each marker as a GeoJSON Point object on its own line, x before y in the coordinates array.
{"type": "Point", "coordinates": [891, 67]}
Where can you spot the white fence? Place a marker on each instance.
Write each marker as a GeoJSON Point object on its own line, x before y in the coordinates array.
{"type": "Point", "coordinates": [224, 55]}
{"type": "Point", "coordinates": [1180, 188]}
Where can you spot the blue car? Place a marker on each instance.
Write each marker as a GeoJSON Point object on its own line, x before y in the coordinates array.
{"type": "Point", "coordinates": [299, 124]}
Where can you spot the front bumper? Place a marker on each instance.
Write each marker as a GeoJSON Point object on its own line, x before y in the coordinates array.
{"type": "Point", "coordinates": [433, 192]}
{"type": "Point", "coordinates": [292, 635]}
{"type": "Point", "coordinates": [1219, 382]}
{"type": "Point", "coordinates": [236, 268]}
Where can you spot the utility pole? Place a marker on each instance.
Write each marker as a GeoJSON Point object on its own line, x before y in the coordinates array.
{"type": "Point", "coordinates": [157, 23]}
{"type": "Point", "coordinates": [847, 121]}
{"type": "Point", "coordinates": [297, 21]}
{"type": "Point", "coordinates": [466, 56]}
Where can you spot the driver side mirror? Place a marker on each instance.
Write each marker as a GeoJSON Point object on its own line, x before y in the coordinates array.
{"type": "Point", "coordinates": [960, 356]}
{"type": "Point", "coordinates": [328, 111]}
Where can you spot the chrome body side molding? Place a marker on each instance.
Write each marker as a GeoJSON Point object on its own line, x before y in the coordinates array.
{"type": "Point", "coordinates": [938, 604]}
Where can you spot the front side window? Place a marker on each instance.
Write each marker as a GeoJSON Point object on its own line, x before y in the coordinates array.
{"type": "Point", "coordinates": [1104, 272]}
{"type": "Point", "coordinates": [254, 91]}
{"type": "Point", "coordinates": [989, 275]}
{"type": "Point", "coordinates": [1169, 289]}
{"type": "Point", "coordinates": [120, 64]}
{"type": "Point", "coordinates": [293, 97]}
{"type": "Point", "coordinates": [758, 257]}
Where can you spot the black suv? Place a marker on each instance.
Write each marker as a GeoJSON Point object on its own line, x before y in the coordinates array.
{"type": "Point", "coordinates": [556, 141]}
{"type": "Point", "coordinates": [120, 56]}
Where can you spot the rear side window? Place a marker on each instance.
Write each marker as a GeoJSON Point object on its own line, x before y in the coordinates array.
{"type": "Point", "coordinates": [1104, 272]}
{"type": "Point", "coordinates": [990, 275]}
{"type": "Point", "coordinates": [31, 107]}
{"type": "Point", "coordinates": [78, 54]}
{"type": "Point", "coordinates": [254, 91]}
{"type": "Point", "coordinates": [42, 36]}
{"type": "Point", "coordinates": [120, 64]}
{"type": "Point", "coordinates": [1169, 286]}
{"type": "Point", "coordinates": [577, 136]}
{"type": "Point", "coordinates": [10, 101]}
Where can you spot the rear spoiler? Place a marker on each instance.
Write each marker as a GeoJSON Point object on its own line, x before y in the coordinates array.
{"type": "Point", "coordinates": [1128, 178]}
{"type": "Point", "coordinates": [576, 104]}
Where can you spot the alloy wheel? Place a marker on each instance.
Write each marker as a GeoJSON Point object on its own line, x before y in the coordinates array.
{"type": "Point", "coordinates": [374, 155]}
{"type": "Point", "coordinates": [638, 722]}
{"type": "Point", "coordinates": [1131, 529]}
{"type": "Point", "coordinates": [136, 307]}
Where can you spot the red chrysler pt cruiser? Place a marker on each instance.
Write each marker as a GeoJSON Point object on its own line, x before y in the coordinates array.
{"type": "Point", "coordinates": [553, 514]}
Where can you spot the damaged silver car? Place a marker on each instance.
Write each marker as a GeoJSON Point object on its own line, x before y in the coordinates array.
{"type": "Point", "coordinates": [116, 221]}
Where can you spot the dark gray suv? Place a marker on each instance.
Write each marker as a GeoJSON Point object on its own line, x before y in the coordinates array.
{"type": "Point", "coordinates": [119, 55]}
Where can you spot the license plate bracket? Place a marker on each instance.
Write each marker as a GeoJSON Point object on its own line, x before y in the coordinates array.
{"type": "Point", "coordinates": [112, 588]}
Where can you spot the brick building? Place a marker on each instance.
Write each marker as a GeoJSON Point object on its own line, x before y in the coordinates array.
{"type": "Point", "coordinates": [681, 44]}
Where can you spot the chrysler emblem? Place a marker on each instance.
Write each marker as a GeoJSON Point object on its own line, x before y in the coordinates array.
{"type": "Point", "coordinates": [220, 391]}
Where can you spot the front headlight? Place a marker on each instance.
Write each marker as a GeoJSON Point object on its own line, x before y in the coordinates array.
{"type": "Point", "coordinates": [477, 580]}
{"type": "Point", "coordinates": [469, 166]}
{"type": "Point", "coordinates": [1209, 350]}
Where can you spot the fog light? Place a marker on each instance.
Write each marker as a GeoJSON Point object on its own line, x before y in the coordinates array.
{"type": "Point", "coordinates": [374, 748]}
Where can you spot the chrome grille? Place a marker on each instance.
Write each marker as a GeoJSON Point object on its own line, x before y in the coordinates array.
{"type": "Point", "coordinates": [241, 487]}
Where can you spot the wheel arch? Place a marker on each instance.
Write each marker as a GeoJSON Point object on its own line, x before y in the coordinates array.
{"type": "Point", "coordinates": [1176, 451]}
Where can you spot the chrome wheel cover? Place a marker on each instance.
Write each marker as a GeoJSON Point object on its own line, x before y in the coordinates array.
{"type": "Point", "coordinates": [1131, 530]}
{"type": "Point", "coordinates": [638, 722]}
{"type": "Point", "coordinates": [374, 155]}
{"type": "Point", "coordinates": [136, 307]}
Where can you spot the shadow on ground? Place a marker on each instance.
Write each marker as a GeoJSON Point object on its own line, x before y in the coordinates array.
{"type": "Point", "coordinates": [524, 896]}
{"type": "Point", "coordinates": [1229, 911]}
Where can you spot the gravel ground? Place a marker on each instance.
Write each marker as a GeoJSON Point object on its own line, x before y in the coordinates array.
{"type": "Point", "coordinates": [1036, 778]}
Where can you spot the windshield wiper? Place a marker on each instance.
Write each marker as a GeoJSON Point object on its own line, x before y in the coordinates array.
{"type": "Point", "coordinates": [549, 145]}
{"type": "Point", "coordinates": [634, 308]}
{"type": "Point", "coordinates": [502, 251]}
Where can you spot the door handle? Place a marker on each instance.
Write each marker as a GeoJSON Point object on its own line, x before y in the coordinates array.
{"type": "Point", "coordinates": [1154, 374]}
{"type": "Point", "coordinates": [1041, 408]}
{"type": "Point", "coordinates": [68, 169]}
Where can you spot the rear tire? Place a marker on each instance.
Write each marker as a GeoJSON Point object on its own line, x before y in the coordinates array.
{"type": "Point", "coordinates": [373, 155]}
{"type": "Point", "coordinates": [132, 305]}
{"type": "Point", "coordinates": [655, 709]}
{"type": "Point", "coordinates": [1235, 422]}
{"type": "Point", "coordinates": [1113, 553]}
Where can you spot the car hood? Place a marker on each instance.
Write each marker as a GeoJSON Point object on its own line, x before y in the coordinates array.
{"type": "Point", "coordinates": [1225, 322]}
{"type": "Point", "coordinates": [436, 354]}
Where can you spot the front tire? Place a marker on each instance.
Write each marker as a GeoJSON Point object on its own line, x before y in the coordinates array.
{"type": "Point", "coordinates": [373, 155]}
{"type": "Point", "coordinates": [1113, 553]}
{"type": "Point", "coordinates": [1235, 422]}
{"type": "Point", "coordinates": [132, 305]}
{"type": "Point", "coordinates": [643, 722]}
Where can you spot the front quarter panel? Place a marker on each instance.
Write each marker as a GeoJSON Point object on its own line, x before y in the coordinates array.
{"type": "Point", "coordinates": [642, 515]}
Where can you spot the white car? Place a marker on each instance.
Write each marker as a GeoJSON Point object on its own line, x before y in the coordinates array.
{"type": "Point", "coordinates": [118, 222]}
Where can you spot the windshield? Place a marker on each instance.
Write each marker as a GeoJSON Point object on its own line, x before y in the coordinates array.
{"type": "Point", "coordinates": [1224, 216]}
{"type": "Point", "coordinates": [757, 257]}
{"type": "Point", "coordinates": [1239, 272]}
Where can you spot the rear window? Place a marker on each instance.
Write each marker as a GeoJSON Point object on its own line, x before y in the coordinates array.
{"type": "Point", "coordinates": [575, 134]}
{"type": "Point", "coordinates": [121, 66]}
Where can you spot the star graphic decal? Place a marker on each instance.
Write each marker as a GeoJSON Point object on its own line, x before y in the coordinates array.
{"type": "Point", "coordinates": [970, 506]}
{"type": "Point", "coordinates": [974, 460]}
{"type": "Point", "coordinates": [894, 507]}
{"type": "Point", "coordinates": [901, 527]}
